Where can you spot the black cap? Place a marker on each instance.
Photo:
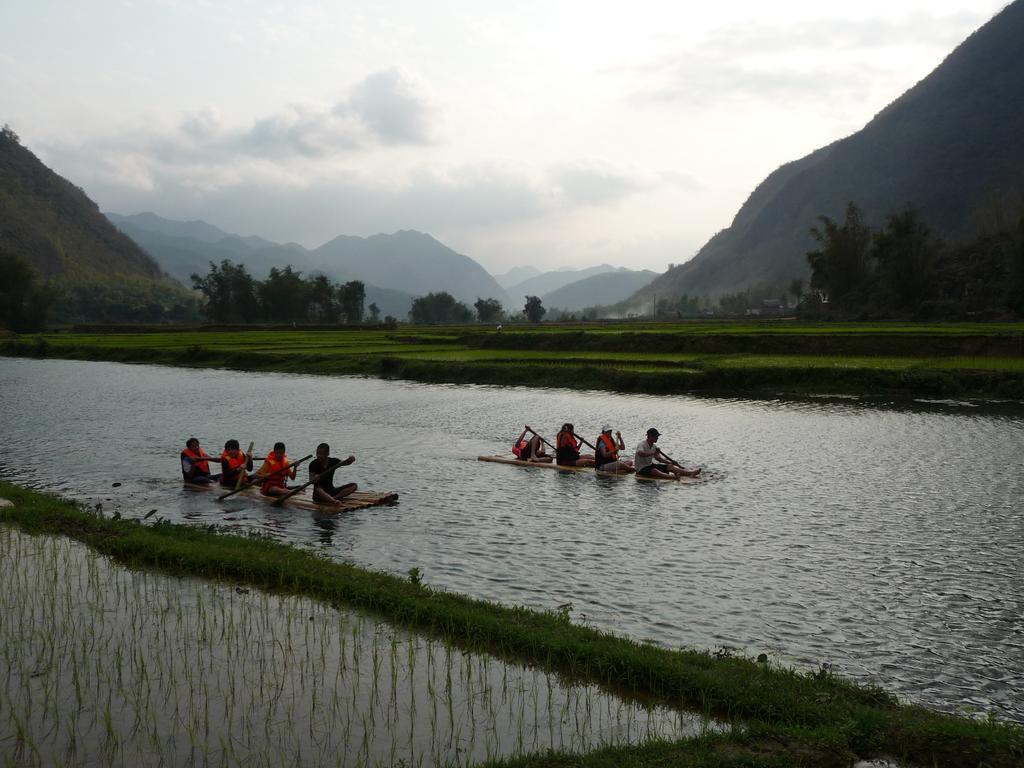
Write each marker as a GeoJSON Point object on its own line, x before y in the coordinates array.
{"type": "Point", "coordinates": [653, 431]}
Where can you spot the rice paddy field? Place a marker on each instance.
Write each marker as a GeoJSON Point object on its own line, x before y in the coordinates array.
{"type": "Point", "coordinates": [102, 664]}
{"type": "Point", "coordinates": [749, 358]}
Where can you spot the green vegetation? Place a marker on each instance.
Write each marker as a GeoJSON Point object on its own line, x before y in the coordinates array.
{"type": "Point", "coordinates": [819, 718]}
{"type": "Point", "coordinates": [181, 667]}
{"type": "Point", "coordinates": [234, 296]}
{"type": "Point", "coordinates": [24, 300]}
{"type": "Point", "coordinates": [441, 307]}
{"type": "Point", "coordinates": [949, 146]}
{"type": "Point", "coordinates": [94, 271]}
{"type": "Point", "coordinates": [754, 359]}
{"type": "Point", "coordinates": [903, 269]}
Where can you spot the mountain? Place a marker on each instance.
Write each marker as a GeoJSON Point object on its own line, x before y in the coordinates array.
{"type": "Point", "coordinates": [516, 275]}
{"type": "Point", "coordinates": [410, 261]}
{"type": "Point", "coordinates": [184, 248]}
{"type": "Point", "coordinates": [101, 273]}
{"type": "Point", "coordinates": [950, 147]}
{"type": "Point", "coordinates": [605, 288]}
{"type": "Point", "coordinates": [546, 282]}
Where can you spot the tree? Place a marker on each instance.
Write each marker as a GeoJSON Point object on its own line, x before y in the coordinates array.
{"type": "Point", "coordinates": [439, 308]}
{"type": "Point", "coordinates": [489, 310]}
{"type": "Point", "coordinates": [534, 310]}
{"type": "Point", "coordinates": [24, 301]}
{"type": "Point", "coordinates": [231, 293]}
{"type": "Point", "coordinates": [840, 269]}
{"type": "Point", "coordinates": [374, 312]}
{"type": "Point", "coordinates": [352, 295]}
{"type": "Point", "coordinates": [323, 300]}
{"type": "Point", "coordinates": [905, 253]}
{"type": "Point", "coordinates": [284, 296]}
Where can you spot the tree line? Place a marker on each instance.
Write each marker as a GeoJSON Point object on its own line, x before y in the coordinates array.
{"type": "Point", "coordinates": [443, 308]}
{"type": "Point", "coordinates": [903, 269]}
{"type": "Point", "coordinates": [232, 295]}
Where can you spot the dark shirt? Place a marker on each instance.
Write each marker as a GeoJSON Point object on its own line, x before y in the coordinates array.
{"type": "Point", "coordinates": [326, 480]}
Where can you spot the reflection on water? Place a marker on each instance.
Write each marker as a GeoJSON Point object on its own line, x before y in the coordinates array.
{"type": "Point", "coordinates": [107, 666]}
{"type": "Point", "coordinates": [884, 541]}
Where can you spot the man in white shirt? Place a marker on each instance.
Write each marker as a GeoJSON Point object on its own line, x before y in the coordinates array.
{"type": "Point", "coordinates": [646, 466]}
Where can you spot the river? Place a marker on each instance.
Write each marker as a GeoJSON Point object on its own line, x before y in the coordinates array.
{"type": "Point", "coordinates": [884, 541]}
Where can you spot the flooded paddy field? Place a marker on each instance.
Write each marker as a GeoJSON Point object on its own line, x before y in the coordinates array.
{"type": "Point", "coordinates": [106, 665]}
{"type": "Point", "coordinates": [883, 541]}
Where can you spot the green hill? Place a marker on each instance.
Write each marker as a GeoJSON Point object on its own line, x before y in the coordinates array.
{"type": "Point", "coordinates": [100, 274]}
{"type": "Point", "coordinates": [950, 148]}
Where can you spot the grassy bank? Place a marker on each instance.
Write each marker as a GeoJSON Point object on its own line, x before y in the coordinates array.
{"type": "Point", "coordinates": [765, 359]}
{"type": "Point", "coordinates": [793, 718]}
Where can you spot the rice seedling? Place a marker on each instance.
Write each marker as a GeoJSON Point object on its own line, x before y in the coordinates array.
{"type": "Point", "coordinates": [195, 672]}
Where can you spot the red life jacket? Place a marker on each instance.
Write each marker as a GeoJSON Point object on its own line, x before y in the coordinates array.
{"type": "Point", "coordinates": [566, 440]}
{"type": "Point", "coordinates": [279, 479]}
{"type": "Point", "coordinates": [611, 451]}
{"type": "Point", "coordinates": [517, 449]}
{"type": "Point", "coordinates": [200, 461]}
{"type": "Point", "coordinates": [231, 466]}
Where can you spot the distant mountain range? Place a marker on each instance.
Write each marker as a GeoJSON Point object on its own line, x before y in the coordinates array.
{"type": "Point", "coordinates": [950, 147]}
{"type": "Point", "coordinates": [395, 268]}
{"type": "Point", "coordinates": [98, 271]}
{"type": "Point", "coordinates": [546, 282]}
{"type": "Point", "coordinates": [603, 288]}
{"type": "Point", "coordinates": [516, 275]}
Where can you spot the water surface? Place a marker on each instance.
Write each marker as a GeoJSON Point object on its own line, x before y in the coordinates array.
{"type": "Point", "coordinates": [885, 542]}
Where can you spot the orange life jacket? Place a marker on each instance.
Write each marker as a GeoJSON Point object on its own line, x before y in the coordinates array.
{"type": "Point", "coordinates": [517, 449]}
{"type": "Point", "coordinates": [231, 466]}
{"type": "Point", "coordinates": [277, 472]}
{"type": "Point", "coordinates": [200, 461]}
{"type": "Point", "coordinates": [566, 440]}
{"type": "Point", "coordinates": [611, 451]}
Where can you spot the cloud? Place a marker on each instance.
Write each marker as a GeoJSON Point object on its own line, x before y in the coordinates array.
{"type": "Point", "coordinates": [825, 59]}
{"type": "Point", "coordinates": [593, 185]}
{"type": "Point", "coordinates": [390, 105]}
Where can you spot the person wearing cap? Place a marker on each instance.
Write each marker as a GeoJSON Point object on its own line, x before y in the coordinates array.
{"type": "Point", "coordinates": [607, 454]}
{"type": "Point", "coordinates": [646, 466]}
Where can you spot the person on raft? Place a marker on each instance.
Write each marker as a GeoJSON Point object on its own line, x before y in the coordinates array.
{"type": "Point", "coordinates": [321, 474]}
{"type": "Point", "coordinates": [646, 466]}
{"type": "Point", "coordinates": [567, 449]}
{"type": "Point", "coordinates": [276, 471]}
{"type": "Point", "coordinates": [532, 449]}
{"type": "Point", "coordinates": [606, 457]}
{"type": "Point", "coordinates": [233, 464]}
{"type": "Point", "coordinates": [195, 464]}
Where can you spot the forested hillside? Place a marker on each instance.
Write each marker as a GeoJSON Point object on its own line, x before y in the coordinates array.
{"type": "Point", "coordinates": [95, 272]}
{"type": "Point", "coordinates": [950, 148]}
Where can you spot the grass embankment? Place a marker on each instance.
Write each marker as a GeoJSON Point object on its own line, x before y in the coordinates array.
{"type": "Point", "coordinates": [759, 359]}
{"type": "Point", "coordinates": [791, 718]}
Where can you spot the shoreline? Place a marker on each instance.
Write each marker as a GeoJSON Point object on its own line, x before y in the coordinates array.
{"type": "Point", "coordinates": [832, 718]}
{"type": "Point", "coordinates": [759, 365]}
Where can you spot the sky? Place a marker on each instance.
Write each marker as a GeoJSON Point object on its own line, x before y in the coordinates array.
{"type": "Point", "coordinates": [554, 134]}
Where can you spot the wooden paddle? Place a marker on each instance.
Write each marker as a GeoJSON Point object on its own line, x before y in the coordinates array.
{"type": "Point", "coordinates": [241, 472]}
{"type": "Point", "coordinates": [549, 445]}
{"type": "Point", "coordinates": [591, 447]}
{"type": "Point", "coordinates": [260, 478]}
{"type": "Point", "coordinates": [282, 499]}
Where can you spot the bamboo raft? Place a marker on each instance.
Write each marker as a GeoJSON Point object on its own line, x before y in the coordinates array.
{"type": "Point", "coordinates": [561, 468]}
{"type": "Point", "coordinates": [355, 500]}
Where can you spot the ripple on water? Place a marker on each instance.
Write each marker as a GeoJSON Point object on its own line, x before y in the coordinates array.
{"type": "Point", "coordinates": [885, 541]}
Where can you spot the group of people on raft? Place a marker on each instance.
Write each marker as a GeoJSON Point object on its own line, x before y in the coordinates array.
{"type": "Point", "coordinates": [273, 474]}
{"type": "Point", "coordinates": [530, 446]}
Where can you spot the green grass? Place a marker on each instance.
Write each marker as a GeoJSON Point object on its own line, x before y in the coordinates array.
{"type": "Point", "coordinates": [814, 716]}
{"type": "Point", "coordinates": [716, 358]}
